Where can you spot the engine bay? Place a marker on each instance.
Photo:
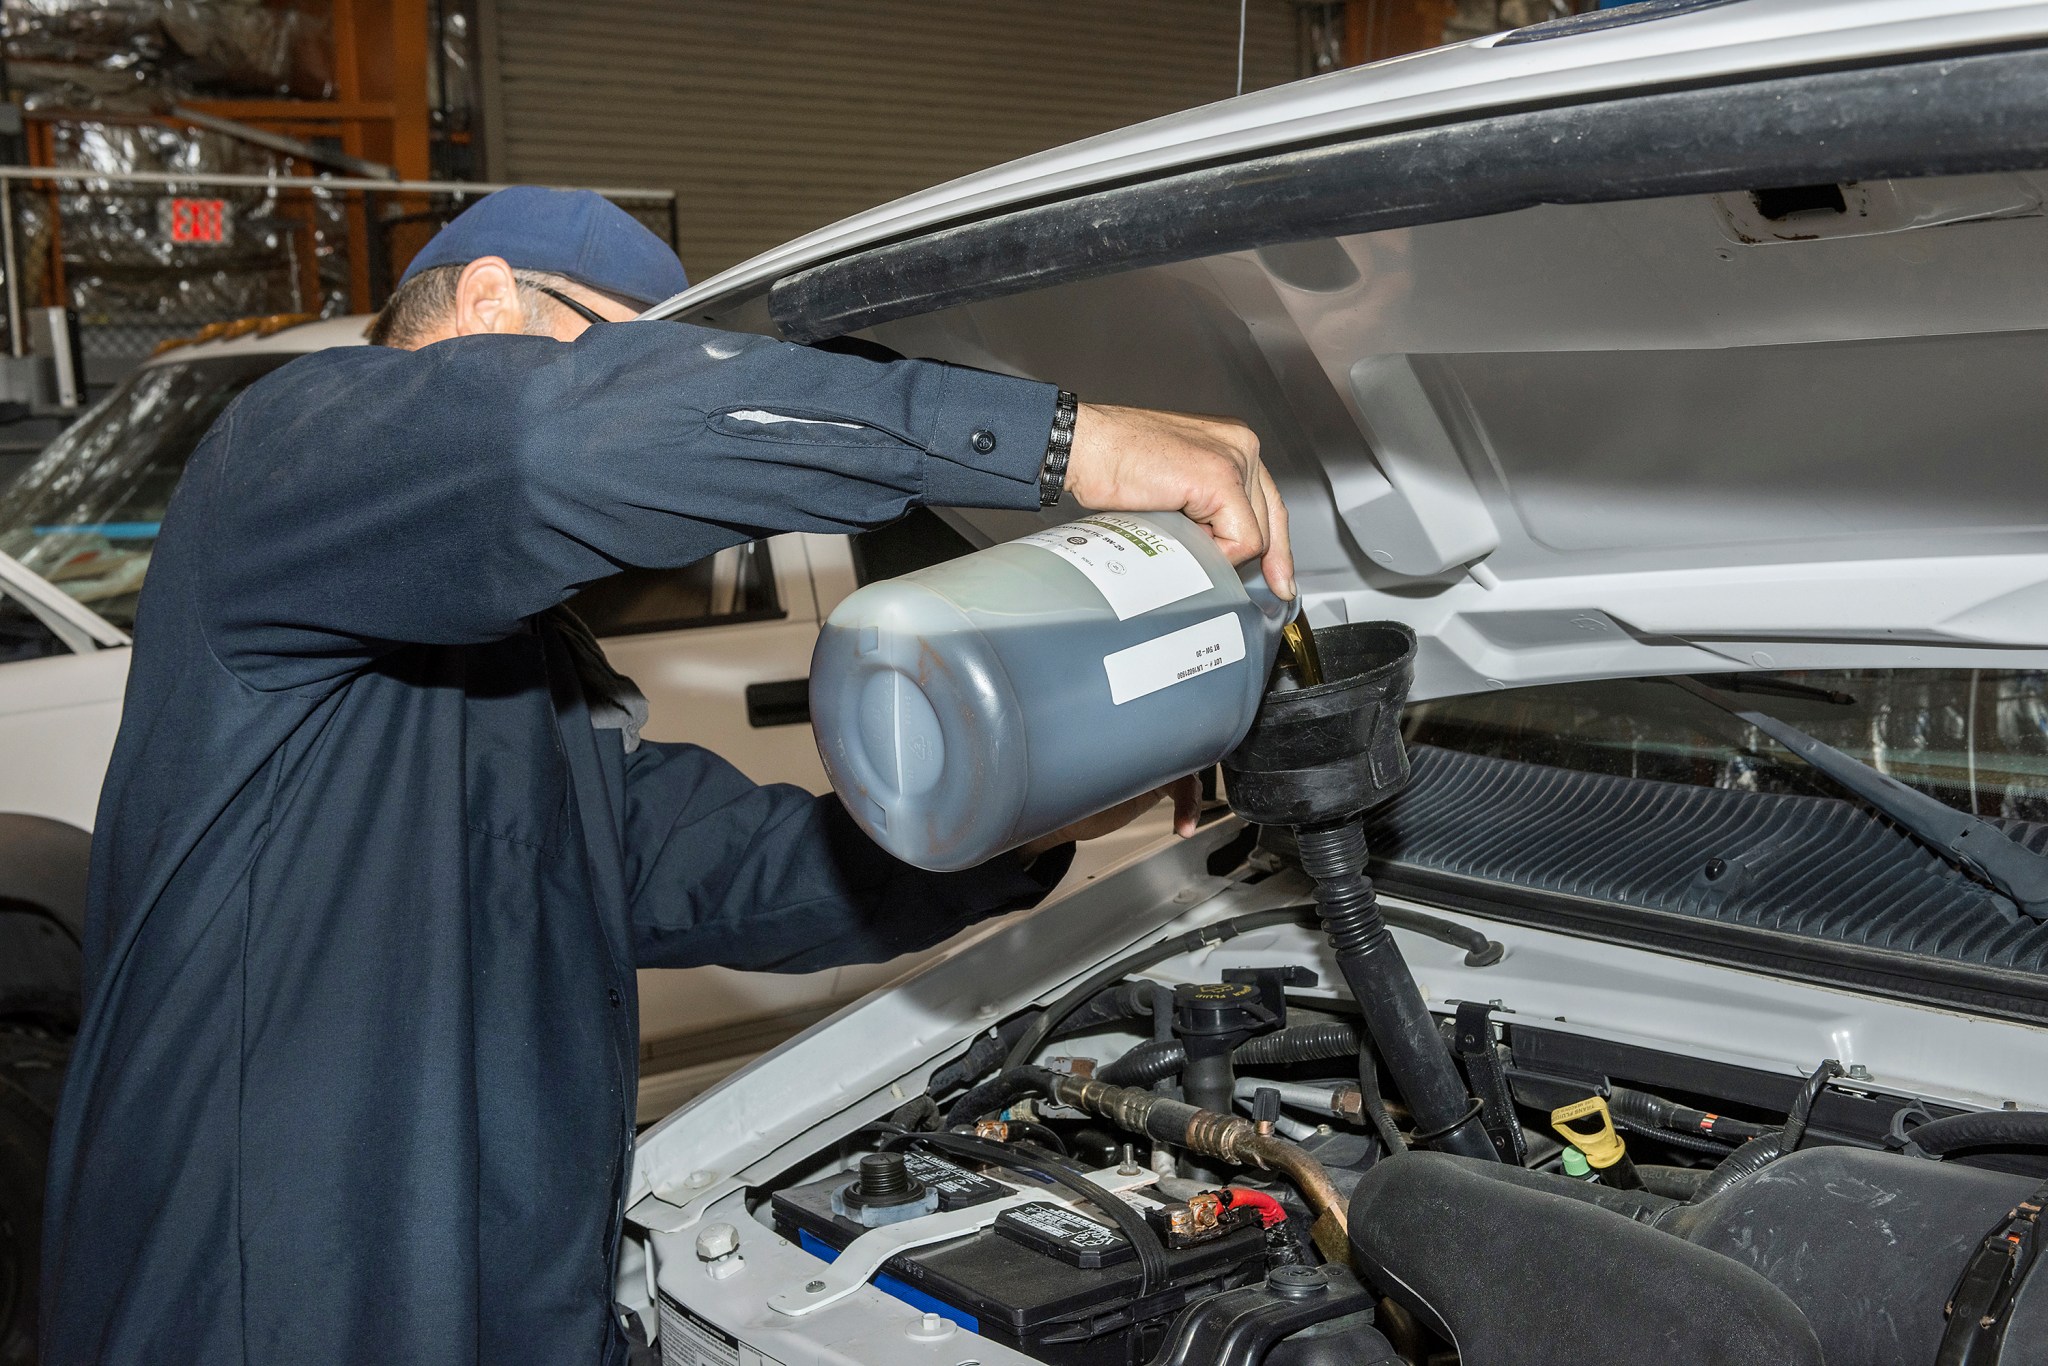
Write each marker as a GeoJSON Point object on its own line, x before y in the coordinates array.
{"type": "Point", "coordinates": [1263, 1140]}
{"type": "Point", "coordinates": [1204, 1159]}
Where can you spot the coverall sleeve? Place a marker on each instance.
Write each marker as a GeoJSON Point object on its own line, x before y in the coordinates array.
{"type": "Point", "coordinates": [363, 498]}
{"type": "Point", "coordinates": [772, 879]}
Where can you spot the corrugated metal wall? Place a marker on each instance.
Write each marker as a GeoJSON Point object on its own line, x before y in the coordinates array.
{"type": "Point", "coordinates": [773, 117]}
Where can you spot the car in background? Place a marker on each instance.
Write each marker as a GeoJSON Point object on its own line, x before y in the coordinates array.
{"type": "Point", "coordinates": [722, 649]}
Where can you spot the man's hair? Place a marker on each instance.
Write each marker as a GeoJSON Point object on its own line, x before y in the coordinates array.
{"type": "Point", "coordinates": [422, 305]}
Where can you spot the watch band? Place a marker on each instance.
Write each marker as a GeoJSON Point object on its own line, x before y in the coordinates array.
{"type": "Point", "coordinates": [1059, 444]}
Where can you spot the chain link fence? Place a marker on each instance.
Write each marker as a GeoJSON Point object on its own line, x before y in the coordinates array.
{"type": "Point", "coordinates": [142, 257]}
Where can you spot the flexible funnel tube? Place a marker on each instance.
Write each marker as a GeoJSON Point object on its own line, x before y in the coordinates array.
{"type": "Point", "coordinates": [1395, 1014]}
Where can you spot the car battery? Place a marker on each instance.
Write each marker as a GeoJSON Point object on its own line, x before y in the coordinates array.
{"type": "Point", "coordinates": [1047, 1279]}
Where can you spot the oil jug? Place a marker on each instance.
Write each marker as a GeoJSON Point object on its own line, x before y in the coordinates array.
{"type": "Point", "coordinates": [971, 707]}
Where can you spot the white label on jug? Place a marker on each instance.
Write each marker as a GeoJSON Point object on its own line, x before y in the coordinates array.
{"type": "Point", "coordinates": [1135, 567]}
{"type": "Point", "coordinates": [1175, 658]}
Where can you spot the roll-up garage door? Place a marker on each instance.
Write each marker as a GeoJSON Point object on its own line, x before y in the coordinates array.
{"type": "Point", "coordinates": [773, 117]}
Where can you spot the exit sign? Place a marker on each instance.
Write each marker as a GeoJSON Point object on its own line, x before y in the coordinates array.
{"type": "Point", "coordinates": [196, 222]}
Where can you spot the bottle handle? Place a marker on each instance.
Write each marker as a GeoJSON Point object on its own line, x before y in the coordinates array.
{"type": "Point", "coordinates": [1278, 611]}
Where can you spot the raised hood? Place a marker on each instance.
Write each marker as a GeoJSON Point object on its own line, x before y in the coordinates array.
{"type": "Point", "coordinates": [1745, 372]}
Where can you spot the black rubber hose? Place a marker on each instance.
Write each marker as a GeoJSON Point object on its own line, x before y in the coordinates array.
{"type": "Point", "coordinates": [1794, 1132]}
{"type": "Point", "coordinates": [1751, 1158]}
{"type": "Point", "coordinates": [1201, 937]}
{"type": "Point", "coordinates": [1128, 1001]}
{"type": "Point", "coordinates": [1761, 1151]}
{"type": "Point", "coordinates": [1690, 1142]}
{"type": "Point", "coordinates": [984, 1054]}
{"type": "Point", "coordinates": [1146, 1065]}
{"type": "Point", "coordinates": [1655, 1115]}
{"type": "Point", "coordinates": [1697, 1131]}
{"type": "Point", "coordinates": [1979, 1129]}
{"type": "Point", "coordinates": [1151, 1063]}
{"type": "Point", "coordinates": [1300, 1043]}
{"type": "Point", "coordinates": [1480, 952]}
{"type": "Point", "coordinates": [1011, 1084]}
{"type": "Point", "coordinates": [919, 1112]}
{"type": "Point", "coordinates": [1396, 1016]}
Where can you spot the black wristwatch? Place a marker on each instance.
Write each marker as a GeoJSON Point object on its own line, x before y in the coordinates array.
{"type": "Point", "coordinates": [1052, 475]}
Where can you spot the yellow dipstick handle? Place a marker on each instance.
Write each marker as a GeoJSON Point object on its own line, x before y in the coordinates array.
{"type": "Point", "coordinates": [1602, 1145]}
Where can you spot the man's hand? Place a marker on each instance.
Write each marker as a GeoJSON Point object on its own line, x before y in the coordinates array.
{"type": "Point", "coordinates": [1139, 460]}
{"type": "Point", "coordinates": [1187, 805]}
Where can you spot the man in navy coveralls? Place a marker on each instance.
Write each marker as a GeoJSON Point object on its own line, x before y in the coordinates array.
{"type": "Point", "coordinates": [380, 847]}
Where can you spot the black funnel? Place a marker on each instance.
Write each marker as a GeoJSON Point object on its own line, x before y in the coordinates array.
{"type": "Point", "coordinates": [1330, 752]}
{"type": "Point", "coordinates": [1317, 758]}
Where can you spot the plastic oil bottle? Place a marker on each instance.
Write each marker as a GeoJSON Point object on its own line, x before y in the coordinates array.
{"type": "Point", "coordinates": [971, 707]}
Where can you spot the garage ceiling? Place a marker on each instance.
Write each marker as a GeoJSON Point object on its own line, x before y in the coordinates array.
{"type": "Point", "coordinates": [773, 119]}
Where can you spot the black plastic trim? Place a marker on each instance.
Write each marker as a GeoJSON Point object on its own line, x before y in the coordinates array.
{"type": "Point", "coordinates": [1913, 978]}
{"type": "Point", "coordinates": [1946, 116]}
{"type": "Point", "coordinates": [786, 702]}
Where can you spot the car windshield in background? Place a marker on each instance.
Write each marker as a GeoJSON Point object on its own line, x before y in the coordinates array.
{"type": "Point", "coordinates": [1975, 739]}
{"type": "Point", "coordinates": [1587, 805]}
{"type": "Point", "coordinates": [85, 514]}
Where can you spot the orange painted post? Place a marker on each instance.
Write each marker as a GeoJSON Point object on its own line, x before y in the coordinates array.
{"type": "Point", "coordinates": [348, 86]}
{"type": "Point", "coordinates": [390, 65]}
{"type": "Point", "coordinates": [357, 216]}
{"type": "Point", "coordinates": [411, 126]}
{"type": "Point", "coordinates": [411, 118]}
{"type": "Point", "coordinates": [379, 112]}
{"type": "Point", "coordinates": [42, 151]}
{"type": "Point", "coordinates": [1376, 29]}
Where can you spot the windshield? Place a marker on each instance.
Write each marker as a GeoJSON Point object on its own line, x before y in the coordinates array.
{"type": "Point", "coordinates": [85, 514]}
{"type": "Point", "coordinates": [1591, 805]}
{"type": "Point", "coordinates": [1976, 739]}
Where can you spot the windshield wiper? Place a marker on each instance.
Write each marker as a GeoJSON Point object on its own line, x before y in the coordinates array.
{"type": "Point", "coordinates": [1974, 844]}
{"type": "Point", "coordinates": [1775, 687]}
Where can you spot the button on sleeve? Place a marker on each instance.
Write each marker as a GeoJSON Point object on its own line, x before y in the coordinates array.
{"type": "Point", "coordinates": [987, 440]}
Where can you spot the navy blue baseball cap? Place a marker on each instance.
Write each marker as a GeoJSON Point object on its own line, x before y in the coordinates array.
{"type": "Point", "coordinates": [578, 234]}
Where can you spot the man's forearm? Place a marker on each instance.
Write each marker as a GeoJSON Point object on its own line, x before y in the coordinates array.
{"type": "Point", "coordinates": [771, 878]}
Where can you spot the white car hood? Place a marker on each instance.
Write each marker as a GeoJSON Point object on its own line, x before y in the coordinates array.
{"type": "Point", "coordinates": [1675, 453]}
{"type": "Point", "coordinates": [1656, 435]}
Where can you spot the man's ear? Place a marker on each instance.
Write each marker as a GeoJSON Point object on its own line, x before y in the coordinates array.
{"type": "Point", "coordinates": [487, 299]}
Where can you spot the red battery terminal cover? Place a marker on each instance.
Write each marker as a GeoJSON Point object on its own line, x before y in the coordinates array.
{"type": "Point", "coordinates": [1269, 1210]}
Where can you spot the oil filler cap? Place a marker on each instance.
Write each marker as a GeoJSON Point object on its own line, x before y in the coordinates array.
{"type": "Point", "coordinates": [1209, 1009]}
{"type": "Point", "coordinates": [884, 1193]}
